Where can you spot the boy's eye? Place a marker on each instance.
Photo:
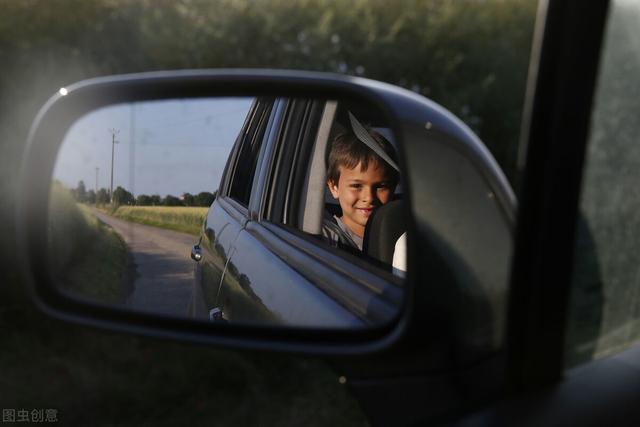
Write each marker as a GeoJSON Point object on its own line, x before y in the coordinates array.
{"type": "Point", "coordinates": [356, 185]}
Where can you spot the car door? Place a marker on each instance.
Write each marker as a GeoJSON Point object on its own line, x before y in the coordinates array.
{"type": "Point", "coordinates": [228, 213]}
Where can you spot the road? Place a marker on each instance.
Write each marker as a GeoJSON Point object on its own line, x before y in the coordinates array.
{"type": "Point", "coordinates": [164, 270]}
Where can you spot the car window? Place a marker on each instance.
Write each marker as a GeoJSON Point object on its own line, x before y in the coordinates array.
{"type": "Point", "coordinates": [309, 129]}
{"type": "Point", "coordinates": [604, 312]}
{"type": "Point", "coordinates": [246, 158]}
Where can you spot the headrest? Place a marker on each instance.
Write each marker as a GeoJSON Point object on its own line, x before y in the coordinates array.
{"type": "Point", "coordinates": [384, 227]}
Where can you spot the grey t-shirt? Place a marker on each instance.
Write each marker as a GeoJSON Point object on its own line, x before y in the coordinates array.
{"type": "Point", "coordinates": [336, 231]}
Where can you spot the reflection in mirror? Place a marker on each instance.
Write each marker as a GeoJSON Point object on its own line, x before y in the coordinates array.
{"type": "Point", "coordinates": [262, 211]}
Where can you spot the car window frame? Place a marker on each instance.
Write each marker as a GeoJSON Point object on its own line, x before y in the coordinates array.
{"type": "Point", "coordinates": [259, 116]}
{"type": "Point", "coordinates": [277, 200]}
{"type": "Point", "coordinates": [261, 184]}
{"type": "Point", "coordinates": [295, 120]}
{"type": "Point", "coordinates": [554, 134]}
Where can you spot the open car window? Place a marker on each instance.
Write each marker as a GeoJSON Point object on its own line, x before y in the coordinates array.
{"type": "Point", "coordinates": [307, 134]}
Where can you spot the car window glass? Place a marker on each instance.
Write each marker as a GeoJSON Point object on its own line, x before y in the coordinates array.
{"type": "Point", "coordinates": [247, 158]}
{"type": "Point", "coordinates": [604, 311]}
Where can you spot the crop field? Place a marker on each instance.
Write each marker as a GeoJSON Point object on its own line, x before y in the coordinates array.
{"type": "Point", "coordinates": [178, 218]}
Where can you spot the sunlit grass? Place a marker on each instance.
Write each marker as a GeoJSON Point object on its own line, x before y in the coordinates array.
{"type": "Point", "coordinates": [178, 218]}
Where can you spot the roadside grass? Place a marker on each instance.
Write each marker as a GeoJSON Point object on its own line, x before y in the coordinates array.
{"type": "Point", "coordinates": [178, 218]}
{"type": "Point", "coordinates": [86, 256]}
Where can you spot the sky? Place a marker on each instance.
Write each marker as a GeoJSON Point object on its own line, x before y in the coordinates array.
{"type": "Point", "coordinates": [163, 147]}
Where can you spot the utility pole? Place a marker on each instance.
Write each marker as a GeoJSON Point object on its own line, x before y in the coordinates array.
{"type": "Point", "coordinates": [132, 148]}
{"type": "Point", "coordinates": [97, 169]}
{"type": "Point", "coordinates": [113, 132]}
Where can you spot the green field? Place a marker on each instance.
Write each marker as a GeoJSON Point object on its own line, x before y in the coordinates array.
{"type": "Point", "coordinates": [86, 256]}
{"type": "Point", "coordinates": [178, 218]}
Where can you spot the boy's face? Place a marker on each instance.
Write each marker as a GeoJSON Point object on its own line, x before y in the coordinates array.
{"type": "Point", "coordinates": [359, 192]}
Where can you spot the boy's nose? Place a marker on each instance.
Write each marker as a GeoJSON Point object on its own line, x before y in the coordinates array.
{"type": "Point", "coordinates": [368, 194]}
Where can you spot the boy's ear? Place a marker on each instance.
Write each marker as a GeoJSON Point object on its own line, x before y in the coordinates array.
{"type": "Point", "coordinates": [333, 187]}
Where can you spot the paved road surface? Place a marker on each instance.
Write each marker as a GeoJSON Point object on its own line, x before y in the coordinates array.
{"type": "Point", "coordinates": [164, 269]}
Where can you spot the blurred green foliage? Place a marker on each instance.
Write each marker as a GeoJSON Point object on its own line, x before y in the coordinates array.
{"type": "Point", "coordinates": [469, 55]}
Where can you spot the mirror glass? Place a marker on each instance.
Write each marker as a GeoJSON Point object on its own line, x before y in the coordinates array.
{"type": "Point", "coordinates": [260, 211]}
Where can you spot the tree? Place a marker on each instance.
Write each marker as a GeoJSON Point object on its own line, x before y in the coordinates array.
{"type": "Point", "coordinates": [155, 200]}
{"type": "Point", "coordinates": [188, 199]}
{"type": "Point", "coordinates": [81, 192]}
{"type": "Point", "coordinates": [204, 199]}
{"type": "Point", "coordinates": [172, 201]}
{"type": "Point", "coordinates": [122, 197]}
{"type": "Point", "coordinates": [144, 200]}
{"type": "Point", "coordinates": [102, 197]}
{"type": "Point", "coordinates": [91, 197]}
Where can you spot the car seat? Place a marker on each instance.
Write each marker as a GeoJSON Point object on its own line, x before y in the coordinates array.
{"type": "Point", "coordinates": [384, 227]}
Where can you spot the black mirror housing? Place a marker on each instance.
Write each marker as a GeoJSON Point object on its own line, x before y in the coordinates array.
{"type": "Point", "coordinates": [450, 216]}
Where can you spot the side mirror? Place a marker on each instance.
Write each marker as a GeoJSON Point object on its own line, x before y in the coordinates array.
{"type": "Point", "coordinates": [249, 151]}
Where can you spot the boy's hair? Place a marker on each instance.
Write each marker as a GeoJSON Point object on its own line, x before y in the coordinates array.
{"type": "Point", "coordinates": [348, 151]}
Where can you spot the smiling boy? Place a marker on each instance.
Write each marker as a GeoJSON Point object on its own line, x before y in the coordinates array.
{"type": "Point", "coordinates": [360, 179]}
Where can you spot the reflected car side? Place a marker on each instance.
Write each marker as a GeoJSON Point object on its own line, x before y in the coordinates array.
{"type": "Point", "coordinates": [260, 259]}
